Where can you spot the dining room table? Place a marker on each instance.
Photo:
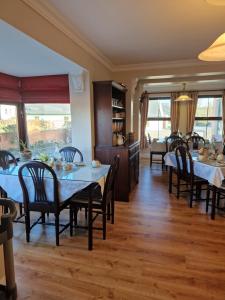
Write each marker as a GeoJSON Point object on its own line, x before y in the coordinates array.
{"type": "Point", "coordinates": [211, 170]}
{"type": "Point", "coordinates": [69, 182]}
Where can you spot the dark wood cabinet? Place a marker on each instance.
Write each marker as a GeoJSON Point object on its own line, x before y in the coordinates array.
{"type": "Point", "coordinates": [110, 120]}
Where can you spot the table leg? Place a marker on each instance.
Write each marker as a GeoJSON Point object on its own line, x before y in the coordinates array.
{"type": "Point", "coordinates": [213, 203]}
{"type": "Point", "coordinates": [170, 179]}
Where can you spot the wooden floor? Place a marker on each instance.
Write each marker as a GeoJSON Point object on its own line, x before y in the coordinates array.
{"type": "Point", "coordinates": [157, 249]}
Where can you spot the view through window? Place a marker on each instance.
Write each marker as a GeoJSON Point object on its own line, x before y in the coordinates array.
{"type": "Point", "coordinates": [8, 128]}
{"type": "Point", "coordinates": [48, 125]}
{"type": "Point", "coordinates": [208, 117]}
{"type": "Point", "coordinates": [159, 123]}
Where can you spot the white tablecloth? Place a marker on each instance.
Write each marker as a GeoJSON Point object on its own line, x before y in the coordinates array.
{"type": "Point", "coordinates": [210, 170]}
{"type": "Point", "coordinates": [70, 182]}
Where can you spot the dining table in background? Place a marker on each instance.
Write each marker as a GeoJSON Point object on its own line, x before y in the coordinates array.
{"type": "Point", "coordinates": [211, 170]}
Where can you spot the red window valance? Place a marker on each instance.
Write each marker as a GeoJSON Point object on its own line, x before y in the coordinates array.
{"type": "Point", "coordinates": [9, 88]}
{"type": "Point", "coordinates": [39, 89]}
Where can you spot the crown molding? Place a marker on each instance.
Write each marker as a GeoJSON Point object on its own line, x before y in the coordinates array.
{"type": "Point", "coordinates": [48, 12]}
{"type": "Point", "coordinates": [162, 65]}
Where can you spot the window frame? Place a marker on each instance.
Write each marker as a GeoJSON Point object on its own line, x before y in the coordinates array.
{"type": "Point", "coordinates": [160, 118]}
{"type": "Point", "coordinates": [208, 118]}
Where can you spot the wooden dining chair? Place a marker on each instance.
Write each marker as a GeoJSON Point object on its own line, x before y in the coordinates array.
{"type": "Point", "coordinates": [69, 153]}
{"type": "Point", "coordinates": [6, 160]}
{"type": "Point", "coordinates": [185, 172]}
{"type": "Point", "coordinates": [97, 203]}
{"type": "Point", "coordinates": [176, 143]}
{"type": "Point", "coordinates": [196, 140]}
{"type": "Point", "coordinates": [170, 139]}
{"type": "Point", "coordinates": [39, 201]}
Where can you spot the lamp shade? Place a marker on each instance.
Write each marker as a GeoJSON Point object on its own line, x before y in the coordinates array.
{"type": "Point", "coordinates": [215, 52]}
{"type": "Point", "coordinates": [216, 2]}
{"type": "Point", "coordinates": [183, 96]}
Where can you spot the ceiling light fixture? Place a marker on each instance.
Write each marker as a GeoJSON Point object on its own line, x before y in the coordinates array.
{"type": "Point", "coordinates": [215, 52]}
{"type": "Point", "coordinates": [216, 2]}
{"type": "Point", "coordinates": [183, 97]}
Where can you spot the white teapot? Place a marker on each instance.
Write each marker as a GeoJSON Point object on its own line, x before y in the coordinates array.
{"type": "Point", "coordinates": [120, 139]}
{"type": "Point", "coordinates": [220, 157]}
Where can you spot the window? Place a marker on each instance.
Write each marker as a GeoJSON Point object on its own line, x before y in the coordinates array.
{"type": "Point", "coordinates": [208, 117]}
{"type": "Point", "coordinates": [8, 128]}
{"type": "Point", "coordinates": [48, 124]}
{"type": "Point", "coordinates": [159, 123]}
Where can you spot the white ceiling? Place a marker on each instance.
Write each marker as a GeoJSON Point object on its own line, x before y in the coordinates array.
{"type": "Point", "coordinates": [140, 31]}
{"type": "Point", "coordinates": [20, 55]}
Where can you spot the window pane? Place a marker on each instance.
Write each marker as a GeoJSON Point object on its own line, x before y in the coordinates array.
{"type": "Point", "coordinates": [214, 129]}
{"type": "Point", "coordinates": [209, 129]}
{"type": "Point", "coordinates": [8, 128]}
{"type": "Point", "coordinates": [215, 107]}
{"type": "Point", "coordinates": [202, 107]}
{"type": "Point", "coordinates": [48, 124]}
{"type": "Point", "coordinates": [164, 108]}
{"type": "Point", "coordinates": [153, 109]}
{"type": "Point", "coordinates": [158, 129]}
{"type": "Point", "coordinates": [159, 108]}
{"type": "Point", "coordinates": [200, 127]}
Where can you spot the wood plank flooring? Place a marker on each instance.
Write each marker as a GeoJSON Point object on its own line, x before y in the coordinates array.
{"type": "Point", "coordinates": [158, 249]}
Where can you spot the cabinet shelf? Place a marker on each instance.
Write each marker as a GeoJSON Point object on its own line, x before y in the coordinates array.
{"type": "Point", "coordinates": [119, 107]}
{"type": "Point", "coordinates": [118, 119]}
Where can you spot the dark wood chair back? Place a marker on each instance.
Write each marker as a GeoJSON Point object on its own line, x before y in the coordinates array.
{"type": "Point", "coordinates": [69, 153]}
{"type": "Point", "coordinates": [184, 161]}
{"type": "Point", "coordinates": [170, 139]}
{"type": "Point", "coordinates": [196, 140]}
{"type": "Point", "coordinates": [176, 143]}
{"type": "Point", "coordinates": [109, 186]}
{"type": "Point", "coordinates": [6, 159]}
{"type": "Point", "coordinates": [37, 171]}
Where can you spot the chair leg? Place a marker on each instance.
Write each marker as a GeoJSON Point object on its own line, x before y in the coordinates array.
{"type": "Point", "coordinates": [170, 179]}
{"type": "Point", "coordinates": [43, 218]}
{"type": "Point", "coordinates": [57, 229]}
{"type": "Point", "coordinates": [85, 213]}
{"type": "Point", "coordinates": [191, 195]}
{"type": "Point", "coordinates": [112, 210]}
{"type": "Point", "coordinates": [71, 220]}
{"type": "Point", "coordinates": [27, 224]}
{"type": "Point", "coordinates": [90, 227]}
{"type": "Point", "coordinates": [108, 211]}
{"type": "Point", "coordinates": [178, 187]}
{"type": "Point", "coordinates": [207, 200]}
{"type": "Point", "coordinates": [104, 225]}
{"type": "Point", "coordinates": [75, 211]}
{"type": "Point", "coordinates": [21, 208]}
{"type": "Point", "coordinates": [150, 160]}
{"type": "Point", "coordinates": [218, 200]}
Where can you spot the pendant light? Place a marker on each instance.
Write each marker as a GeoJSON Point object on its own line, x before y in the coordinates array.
{"type": "Point", "coordinates": [183, 97]}
{"type": "Point", "coordinates": [215, 52]}
{"type": "Point", "coordinates": [216, 2]}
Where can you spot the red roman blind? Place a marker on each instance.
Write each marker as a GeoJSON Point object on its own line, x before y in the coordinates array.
{"type": "Point", "coordinates": [45, 89]}
{"type": "Point", "coordinates": [39, 89]}
{"type": "Point", "coordinates": [9, 89]}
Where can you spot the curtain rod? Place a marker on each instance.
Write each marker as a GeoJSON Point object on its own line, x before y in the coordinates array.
{"type": "Point", "coordinates": [149, 93]}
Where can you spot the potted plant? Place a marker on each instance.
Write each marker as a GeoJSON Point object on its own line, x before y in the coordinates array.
{"type": "Point", "coordinates": [26, 153]}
